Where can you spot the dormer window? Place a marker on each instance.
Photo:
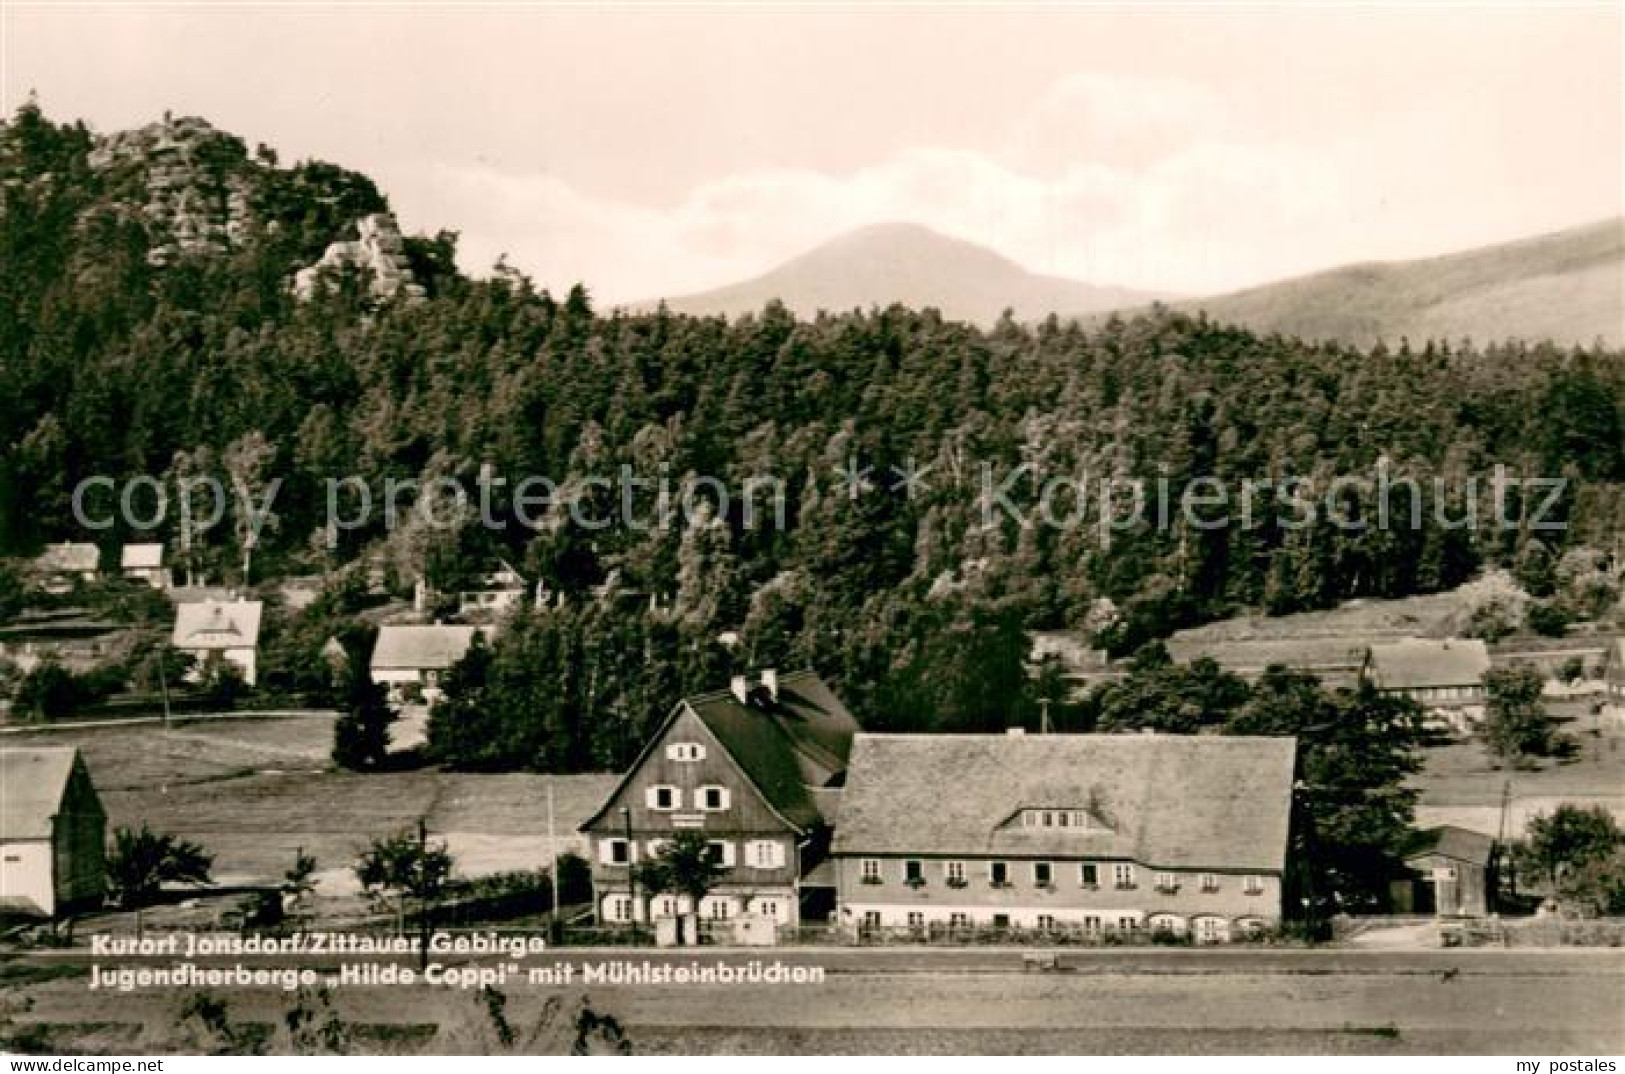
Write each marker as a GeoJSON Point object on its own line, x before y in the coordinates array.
{"type": "Point", "coordinates": [1060, 818]}
{"type": "Point", "coordinates": [685, 751]}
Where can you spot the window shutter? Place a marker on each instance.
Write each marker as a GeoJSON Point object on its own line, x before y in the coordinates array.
{"type": "Point", "coordinates": [650, 801]}
{"type": "Point", "coordinates": [727, 855]}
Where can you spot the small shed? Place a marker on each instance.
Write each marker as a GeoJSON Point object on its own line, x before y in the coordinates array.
{"type": "Point", "coordinates": [53, 833]}
{"type": "Point", "coordinates": [1450, 873]}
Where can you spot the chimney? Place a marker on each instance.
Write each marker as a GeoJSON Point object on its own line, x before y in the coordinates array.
{"type": "Point", "coordinates": [770, 682]}
{"type": "Point", "coordinates": [740, 687]}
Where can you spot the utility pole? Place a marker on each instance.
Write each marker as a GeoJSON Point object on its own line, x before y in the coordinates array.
{"type": "Point", "coordinates": [423, 894]}
{"type": "Point", "coordinates": [552, 862]}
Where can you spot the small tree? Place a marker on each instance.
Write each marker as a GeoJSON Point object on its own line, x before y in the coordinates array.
{"type": "Point", "coordinates": [403, 869]}
{"type": "Point", "coordinates": [361, 735]}
{"type": "Point", "coordinates": [686, 865]}
{"type": "Point", "coordinates": [1516, 725]}
{"type": "Point", "coordinates": [222, 684]}
{"type": "Point", "coordinates": [140, 863]}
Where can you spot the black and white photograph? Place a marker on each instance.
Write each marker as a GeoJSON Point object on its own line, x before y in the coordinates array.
{"type": "Point", "coordinates": [812, 528]}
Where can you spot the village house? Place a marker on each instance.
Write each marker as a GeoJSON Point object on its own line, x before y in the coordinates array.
{"type": "Point", "coordinates": [412, 658]}
{"type": "Point", "coordinates": [53, 833]}
{"type": "Point", "coordinates": [1092, 833]}
{"type": "Point", "coordinates": [220, 630]}
{"type": "Point", "coordinates": [1451, 874]}
{"type": "Point", "coordinates": [1445, 677]}
{"type": "Point", "coordinates": [62, 566]}
{"type": "Point", "coordinates": [145, 563]}
{"type": "Point", "coordinates": [755, 767]}
{"type": "Point", "coordinates": [492, 592]}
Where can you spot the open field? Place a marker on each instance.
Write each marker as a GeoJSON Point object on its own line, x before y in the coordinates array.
{"type": "Point", "coordinates": [254, 791]}
{"type": "Point", "coordinates": [1461, 785]}
{"type": "Point", "coordinates": [1485, 1002]}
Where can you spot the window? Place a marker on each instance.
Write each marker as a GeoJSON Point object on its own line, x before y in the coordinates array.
{"type": "Point", "coordinates": [913, 873]}
{"type": "Point", "coordinates": [1210, 883]}
{"type": "Point", "coordinates": [713, 799]}
{"type": "Point", "coordinates": [1253, 885]}
{"type": "Point", "coordinates": [1123, 875]}
{"type": "Point", "coordinates": [1001, 921]}
{"type": "Point", "coordinates": [1046, 921]}
{"type": "Point", "coordinates": [655, 846]}
{"type": "Point", "coordinates": [768, 908]}
{"type": "Point", "coordinates": [1091, 923]}
{"type": "Point", "coordinates": [869, 870]}
{"type": "Point", "coordinates": [614, 852]}
{"type": "Point", "coordinates": [1167, 883]}
{"type": "Point", "coordinates": [722, 852]}
{"type": "Point", "coordinates": [1043, 876]}
{"type": "Point", "coordinates": [719, 909]}
{"type": "Point", "coordinates": [1089, 876]}
{"type": "Point", "coordinates": [916, 919]}
{"type": "Point", "coordinates": [958, 920]}
{"type": "Point", "coordinates": [954, 871]}
{"type": "Point", "coordinates": [663, 798]}
{"type": "Point", "coordinates": [999, 874]}
{"type": "Point", "coordinates": [618, 908]}
{"type": "Point", "coordinates": [666, 906]}
{"type": "Point", "coordinates": [871, 919]}
{"type": "Point", "coordinates": [1128, 922]}
{"type": "Point", "coordinates": [685, 751]}
{"type": "Point", "coordinates": [764, 854]}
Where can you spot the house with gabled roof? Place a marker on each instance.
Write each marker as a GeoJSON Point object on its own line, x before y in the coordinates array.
{"type": "Point", "coordinates": [62, 566]}
{"type": "Point", "coordinates": [1093, 834]}
{"type": "Point", "coordinates": [757, 768]}
{"type": "Point", "coordinates": [144, 563]}
{"type": "Point", "coordinates": [1440, 674]}
{"type": "Point", "coordinates": [220, 630]}
{"type": "Point", "coordinates": [1451, 873]}
{"type": "Point", "coordinates": [53, 833]}
{"type": "Point", "coordinates": [497, 589]}
{"type": "Point", "coordinates": [1335, 661]}
{"type": "Point", "coordinates": [408, 657]}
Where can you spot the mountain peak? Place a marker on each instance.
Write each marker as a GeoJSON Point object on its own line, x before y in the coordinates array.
{"type": "Point", "coordinates": [912, 264]}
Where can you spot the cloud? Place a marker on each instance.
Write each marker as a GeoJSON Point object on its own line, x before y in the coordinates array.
{"type": "Point", "coordinates": [1138, 182]}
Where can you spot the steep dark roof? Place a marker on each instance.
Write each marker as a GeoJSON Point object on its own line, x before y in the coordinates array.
{"type": "Point", "coordinates": [1178, 801]}
{"type": "Point", "coordinates": [1449, 841]}
{"type": "Point", "coordinates": [789, 748]}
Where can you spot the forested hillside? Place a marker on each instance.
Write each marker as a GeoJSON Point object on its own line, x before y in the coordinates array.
{"type": "Point", "coordinates": [202, 360]}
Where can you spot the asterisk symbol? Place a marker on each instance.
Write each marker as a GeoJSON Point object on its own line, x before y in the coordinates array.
{"type": "Point", "coordinates": [854, 477]}
{"type": "Point", "coordinates": [911, 477]}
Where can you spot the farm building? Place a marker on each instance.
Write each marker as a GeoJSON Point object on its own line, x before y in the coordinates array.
{"type": "Point", "coordinates": [755, 768]}
{"type": "Point", "coordinates": [1451, 874]}
{"type": "Point", "coordinates": [62, 566]}
{"type": "Point", "coordinates": [1098, 833]}
{"type": "Point", "coordinates": [52, 833]}
{"type": "Point", "coordinates": [220, 630]}
{"type": "Point", "coordinates": [417, 656]}
{"type": "Point", "coordinates": [144, 563]}
{"type": "Point", "coordinates": [1442, 675]}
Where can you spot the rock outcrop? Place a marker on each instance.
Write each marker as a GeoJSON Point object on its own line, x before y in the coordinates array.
{"type": "Point", "coordinates": [378, 249]}
{"type": "Point", "coordinates": [196, 182]}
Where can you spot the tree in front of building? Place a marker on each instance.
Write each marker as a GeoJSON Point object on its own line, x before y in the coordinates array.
{"type": "Point", "coordinates": [361, 734]}
{"type": "Point", "coordinates": [1516, 725]}
{"type": "Point", "coordinates": [686, 865]}
{"type": "Point", "coordinates": [1578, 854]}
{"type": "Point", "coordinates": [140, 863]}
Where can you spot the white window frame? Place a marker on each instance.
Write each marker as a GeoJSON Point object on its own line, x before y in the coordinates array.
{"type": "Point", "coordinates": [1210, 883]}
{"type": "Point", "coordinates": [913, 869]}
{"type": "Point", "coordinates": [958, 919]}
{"type": "Point", "coordinates": [993, 868]}
{"type": "Point", "coordinates": [1045, 921]}
{"type": "Point", "coordinates": [1253, 884]}
{"type": "Point", "coordinates": [1084, 868]}
{"type": "Point", "coordinates": [869, 869]}
{"type": "Point", "coordinates": [1048, 867]}
{"type": "Point", "coordinates": [651, 798]}
{"type": "Point", "coordinates": [685, 752]}
{"type": "Point", "coordinates": [606, 851]}
{"type": "Point", "coordinates": [764, 854]}
{"type": "Point", "coordinates": [1167, 882]}
{"type": "Point", "coordinates": [727, 859]}
{"type": "Point", "coordinates": [1123, 875]}
{"type": "Point", "coordinates": [916, 919]}
{"type": "Point", "coordinates": [702, 793]}
{"type": "Point", "coordinates": [953, 872]}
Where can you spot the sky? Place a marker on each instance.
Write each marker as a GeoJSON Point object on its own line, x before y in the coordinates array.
{"type": "Point", "coordinates": [650, 151]}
